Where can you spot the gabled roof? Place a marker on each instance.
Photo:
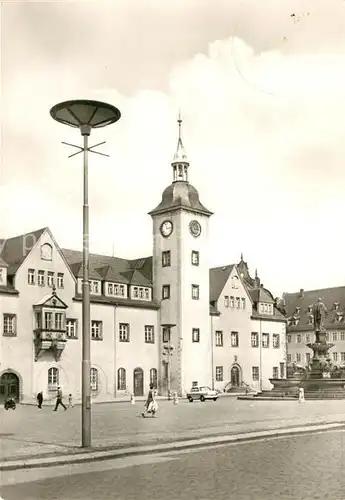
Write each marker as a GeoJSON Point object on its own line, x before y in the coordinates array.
{"type": "Point", "coordinates": [306, 298]}
{"type": "Point", "coordinates": [51, 300]}
{"type": "Point", "coordinates": [218, 279]}
{"type": "Point", "coordinates": [15, 250]}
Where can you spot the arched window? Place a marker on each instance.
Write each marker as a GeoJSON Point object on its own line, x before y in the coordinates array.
{"type": "Point", "coordinates": [94, 379]}
{"type": "Point", "coordinates": [121, 379]}
{"type": "Point", "coordinates": [153, 377]}
{"type": "Point", "coordinates": [53, 377]}
{"type": "Point", "coordinates": [46, 251]}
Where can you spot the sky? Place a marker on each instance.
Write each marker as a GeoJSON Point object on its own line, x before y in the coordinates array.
{"type": "Point", "coordinates": [260, 86]}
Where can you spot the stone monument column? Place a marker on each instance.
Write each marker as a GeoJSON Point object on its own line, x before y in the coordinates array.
{"type": "Point", "coordinates": [320, 347]}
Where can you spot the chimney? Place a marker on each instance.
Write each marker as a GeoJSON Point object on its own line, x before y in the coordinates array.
{"type": "Point", "coordinates": [301, 293]}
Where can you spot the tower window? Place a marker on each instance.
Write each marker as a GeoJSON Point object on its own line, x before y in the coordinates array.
{"type": "Point", "coordinates": [166, 261]}
{"type": "Point", "coordinates": [195, 292]}
{"type": "Point", "coordinates": [166, 292]}
{"type": "Point", "coordinates": [196, 335]}
{"type": "Point", "coordinates": [166, 334]}
{"type": "Point", "coordinates": [195, 258]}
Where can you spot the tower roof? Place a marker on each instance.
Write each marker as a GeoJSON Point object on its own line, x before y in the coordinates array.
{"type": "Point", "coordinates": [178, 195]}
{"type": "Point", "coordinates": [180, 155]}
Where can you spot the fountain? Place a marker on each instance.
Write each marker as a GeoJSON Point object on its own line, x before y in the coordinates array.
{"type": "Point", "coordinates": [316, 382]}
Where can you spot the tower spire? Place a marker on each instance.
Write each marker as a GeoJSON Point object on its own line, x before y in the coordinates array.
{"type": "Point", "coordinates": [180, 161]}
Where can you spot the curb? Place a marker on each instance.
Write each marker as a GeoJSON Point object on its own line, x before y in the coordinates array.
{"type": "Point", "coordinates": [84, 457]}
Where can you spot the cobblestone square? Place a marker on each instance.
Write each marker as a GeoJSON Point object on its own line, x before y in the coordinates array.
{"type": "Point", "coordinates": [30, 431]}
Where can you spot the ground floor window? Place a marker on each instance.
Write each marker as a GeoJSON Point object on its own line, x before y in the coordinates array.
{"type": "Point", "coordinates": [53, 378]}
{"type": "Point", "coordinates": [153, 377]}
{"type": "Point", "coordinates": [275, 372]}
{"type": "Point", "coordinates": [255, 373]}
{"type": "Point", "coordinates": [121, 379]}
{"type": "Point", "coordinates": [219, 373]}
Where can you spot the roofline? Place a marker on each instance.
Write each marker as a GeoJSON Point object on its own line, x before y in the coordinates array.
{"type": "Point", "coordinates": [5, 240]}
{"type": "Point", "coordinates": [313, 291]}
{"type": "Point", "coordinates": [269, 318]}
{"type": "Point", "coordinates": [175, 208]}
{"type": "Point", "coordinates": [116, 303]}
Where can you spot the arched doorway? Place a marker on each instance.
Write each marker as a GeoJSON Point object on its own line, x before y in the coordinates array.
{"type": "Point", "coordinates": [138, 382]}
{"type": "Point", "coordinates": [9, 386]}
{"type": "Point", "coordinates": [235, 376]}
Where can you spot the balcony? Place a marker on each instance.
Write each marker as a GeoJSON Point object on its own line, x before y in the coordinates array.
{"type": "Point", "coordinates": [53, 341]}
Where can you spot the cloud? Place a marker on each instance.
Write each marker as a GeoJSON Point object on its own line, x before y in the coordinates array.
{"type": "Point", "coordinates": [263, 131]}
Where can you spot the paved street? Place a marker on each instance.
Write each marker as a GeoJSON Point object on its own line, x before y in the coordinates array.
{"type": "Point", "coordinates": [28, 430]}
{"type": "Point", "coordinates": [300, 467]}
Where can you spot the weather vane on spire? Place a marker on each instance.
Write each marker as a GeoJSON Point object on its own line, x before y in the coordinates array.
{"type": "Point", "coordinates": [179, 121]}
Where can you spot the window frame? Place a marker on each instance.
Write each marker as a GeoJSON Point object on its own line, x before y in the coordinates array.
{"type": "Point", "coordinates": [195, 262]}
{"type": "Point", "coordinates": [94, 324]}
{"type": "Point", "coordinates": [195, 291]}
{"type": "Point", "coordinates": [234, 335]}
{"type": "Point", "coordinates": [166, 293]}
{"type": "Point", "coordinates": [121, 379]}
{"type": "Point", "coordinates": [13, 318]}
{"type": "Point", "coordinates": [219, 335]}
{"type": "Point", "coordinates": [195, 335]}
{"type": "Point", "coordinates": [219, 374]}
{"type": "Point", "coordinates": [166, 258]}
{"type": "Point", "coordinates": [150, 340]}
{"type": "Point", "coordinates": [124, 327]}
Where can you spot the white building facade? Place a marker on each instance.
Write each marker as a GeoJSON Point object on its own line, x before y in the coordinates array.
{"type": "Point", "coordinates": [168, 319]}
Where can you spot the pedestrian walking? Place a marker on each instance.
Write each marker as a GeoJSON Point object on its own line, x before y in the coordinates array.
{"type": "Point", "coordinates": [59, 400]}
{"type": "Point", "coordinates": [151, 404]}
{"type": "Point", "coordinates": [301, 395]}
{"type": "Point", "coordinates": [40, 400]}
{"type": "Point", "coordinates": [70, 401]}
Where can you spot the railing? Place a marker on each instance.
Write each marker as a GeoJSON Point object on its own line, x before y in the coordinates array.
{"type": "Point", "coordinates": [59, 336]}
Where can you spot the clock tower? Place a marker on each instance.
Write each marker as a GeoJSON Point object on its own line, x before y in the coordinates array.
{"type": "Point", "coordinates": [181, 281]}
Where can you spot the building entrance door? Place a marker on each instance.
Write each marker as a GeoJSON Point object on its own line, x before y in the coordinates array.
{"type": "Point", "coordinates": [138, 382]}
{"type": "Point", "coordinates": [9, 387]}
{"type": "Point", "coordinates": [235, 376]}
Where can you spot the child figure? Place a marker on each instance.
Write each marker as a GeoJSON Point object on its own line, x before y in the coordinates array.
{"type": "Point", "coordinates": [70, 401]}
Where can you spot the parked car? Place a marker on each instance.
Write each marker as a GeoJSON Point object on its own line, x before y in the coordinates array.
{"type": "Point", "coordinates": [202, 393]}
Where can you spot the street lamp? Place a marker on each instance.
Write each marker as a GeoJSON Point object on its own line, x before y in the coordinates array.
{"type": "Point", "coordinates": [85, 115]}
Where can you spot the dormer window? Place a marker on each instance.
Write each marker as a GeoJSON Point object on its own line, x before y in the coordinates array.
{"type": "Point", "coordinates": [297, 310]}
{"type": "Point", "coordinates": [95, 288]}
{"type": "Point", "coordinates": [310, 309]}
{"type": "Point", "coordinates": [310, 319]}
{"type": "Point", "coordinates": [46, 252]}
{"type": "Point", "coordinates": [265, 308]}
{"type": "Point", "coordinates": [336, 306]}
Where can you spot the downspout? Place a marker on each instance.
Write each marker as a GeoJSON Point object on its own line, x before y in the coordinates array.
{"type": "Point", "coordinates": [115, 355]}
{"type": "Point", "coordinates": [260, 355]}
{"type": "Point", "coordinates": [212, 353]}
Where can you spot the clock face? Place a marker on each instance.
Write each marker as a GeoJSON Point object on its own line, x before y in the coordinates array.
{"type": "Point", "coordinates": [195, 228]}
{"type": "Point", "coordinates": [166, 228]}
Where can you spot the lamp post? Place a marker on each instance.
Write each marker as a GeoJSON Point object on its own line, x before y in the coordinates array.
{"type": "Point", "coordinates": [85, 115]}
